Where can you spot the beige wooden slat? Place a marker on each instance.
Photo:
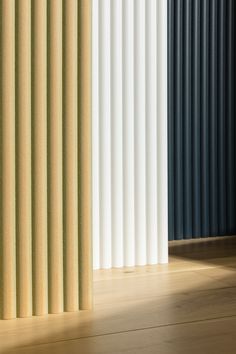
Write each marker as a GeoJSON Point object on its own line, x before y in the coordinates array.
{"type": "Point", "coordinates": [7, 160]}
{"type": "Point", "coordinates": [70, 162]}
{"type": "Point", "coordinates": [85, 173]}
{"type": "Point", "coordinates": [23, 158]}
{"type": "Point", "coordinates": [39, 155]}
{"type": "Point", "coordinates": [55, 191]}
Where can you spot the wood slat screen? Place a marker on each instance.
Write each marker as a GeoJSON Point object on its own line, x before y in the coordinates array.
{"type": "Point", "coordinates": [45, 162]}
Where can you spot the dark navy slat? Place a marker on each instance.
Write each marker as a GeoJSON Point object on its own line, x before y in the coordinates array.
{"type": "Point", "coordinates": [179, 120]}
{"type": "Point", "coordinates": [213, 141]}
{"type": "Point", "coordinates": [196, 158]}
{"type": "Point", "coordinates": [205, 118]}
{"type": "Point", "coordinates": [230, 125]}
{"type": "Point", "coordinates": [171, 107]}
{"type": "Point", "coordinates": [187, 121]}
{"type": "Point", "coordinates": [222, 118]}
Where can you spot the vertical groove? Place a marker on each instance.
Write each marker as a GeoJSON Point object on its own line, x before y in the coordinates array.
{"type": "Point", "coordinates": [7, 160]}
{"type": "Point", "coordinates": [39, 156]}
{"type": "Point", "coordinates": [128, 132]}
{"type": "Point", "coordinates": [23, 158]}
{"type": "Point", "coordinates": [85, 172]}
{"type": "Point", "coordinates": [139, 132]}
{"type": "Point", "coordinates": [55, 213]}
{"type": "Point", "coordinates": [151, 130]}
{"type": "Point", "coordinates": [70, 154]}
{"type": "Point", "coordinates": [116, 133]}
{"type": "Point", "coordinates": [105, 133]}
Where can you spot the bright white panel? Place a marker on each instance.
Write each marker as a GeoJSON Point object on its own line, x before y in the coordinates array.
{"type": "Point", "coordinates": [130, 215]}
{"type": "Point", "coordinates": [95, 135]}
{"type": "Point", "coordinates": [116, 133]}
{"type": "Point", "coordinates": [128, 131]}
{"type": "Point", "coordinates": [139, 132]}
{"type": "Point", "coordinates": [151, 129]}
{"type": "Point", "coordinates": [162, 157]}
{"type": "Point", "coordinates": [104, 134]}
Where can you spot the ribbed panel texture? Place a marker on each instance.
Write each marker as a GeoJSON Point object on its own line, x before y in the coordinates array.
{"type": "Point", "coordinates": [45, 175]}
{"type": "Point", "coordinates": [201, 70]}
{"type": "Point", "coordinates": [130, 225]}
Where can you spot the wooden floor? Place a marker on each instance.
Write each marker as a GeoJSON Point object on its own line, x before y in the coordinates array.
{"type": "Point", "coordinates": [188, 306]}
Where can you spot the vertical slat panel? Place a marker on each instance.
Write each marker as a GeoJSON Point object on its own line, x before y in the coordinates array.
{"type": "Point", "coordinates": [105, 133]}
{"type": "Point", "coordinates": [95, 133]}
{"type": "Point", "coordinates": [230, 123]}
{"type": "Point", "coordinates": [130, 94]}
{"type": "Point", "coordinates": [151, 129]}
{"type": "Point", "coordinates": [7, 170]}
{"type": "Point", "coordinates": [39, 155]}
{"type": "Point", "coordinates": [221, 121]}
{"type": "Point", "coordinates": [207, 131]}
{"type": "Point", "coordinates": [196, 120]}
{"type": "Point", "coordinates": [179, 119]}
{"type": "Point", "coordinates": [23, 158]}
{"type": "Point", "coordinates": [55, 195]}
{"type": "Point", "coordinates": [85, 171]}
{"type": "Point", "coordinates": [128, 132]}
{"type": "Point", "coordinates": [116, 133]}
{"type": "Point", "coordinates": [45, 157]}
{"type": "Point", "coordinates": [70, 154]}
{"type": "Point", "coordinates": [162, 132]}
{"type": "Point", "coordinates": [139, 132]}
{"type": "Point", "coordinates": [187, 123]}
{"type": "Point", "coordinates": [205, 119]}
{"type": "Point", "coordinates": [213, 141]}
{"type": "Point", "coordinates": [171, 116]}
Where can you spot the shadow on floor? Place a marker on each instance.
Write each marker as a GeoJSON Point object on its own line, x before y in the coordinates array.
{"type": "Point", "coordinates": [210, 250]}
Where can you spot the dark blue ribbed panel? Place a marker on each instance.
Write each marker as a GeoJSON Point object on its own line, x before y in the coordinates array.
{"type": "Point", "coordinates": [213, 141]}
{"type": "Point", "coordinates": [187, 122]}
{"type": "Point", "coordinates": [171, 105]}
{"type": "Point", "coordinates": [202, 129]}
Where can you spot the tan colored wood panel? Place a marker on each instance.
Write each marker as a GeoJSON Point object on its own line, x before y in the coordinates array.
{"type": "Point", "coordinates": [85, 158]}
{"type": "Point", "coordinates": [70, 158]}
{"type": "Point", "coordinates": [7, 161]}
{"type": "Point", "coordinates": [55, 162]}
{"type": "Point", "coordinates": [23, 158]}
{"type": "Point", "coordinates": [45, 157]}
{"type": "Point", "coordinates": [39, 156]}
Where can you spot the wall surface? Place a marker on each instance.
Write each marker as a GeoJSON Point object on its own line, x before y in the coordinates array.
{"type": "Point", "coordinates": [202, 129]}
{"type": "Point", "coordinates": [130, 225]}
{"type": "Point", "coordinates": [45, 157]}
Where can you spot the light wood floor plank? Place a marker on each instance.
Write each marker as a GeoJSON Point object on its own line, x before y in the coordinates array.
{"type": "Point", "coordinates": [188, 306]}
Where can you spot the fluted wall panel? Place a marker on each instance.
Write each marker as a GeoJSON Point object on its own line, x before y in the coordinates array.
{"type": "Point", "coordinates": [45, 157]}
{"type": "Point", "coordinates": [201, 54]}
{"type": "Point", "coordinates": [130, 225]}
